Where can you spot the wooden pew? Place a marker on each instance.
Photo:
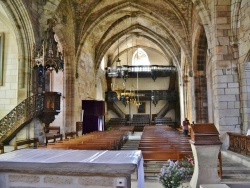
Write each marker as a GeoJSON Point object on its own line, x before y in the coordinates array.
{"type": "Point", "coordinates": [159, 155]}
{"type": "Point", "coordinates": [160, 144]}
{"type": "Point", "coordinates": [108, 140]}
{"type": "Point", "coordinates": [72, 134]}
{"type": "Point", "coordinates": [26, 142]}
{"type": "Point", "coordinates": [1, 148]}
{"type": "Point", "coordinates": [82, 146]}
{"type": "Point", "coordinates": [78, 128]}
{"type": "Point", "coordinates": [54, 134]}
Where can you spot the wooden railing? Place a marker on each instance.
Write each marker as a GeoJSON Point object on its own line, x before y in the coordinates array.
{"type": "Point", "coordinates": [239, 143]}
{"type": "Point", "coordinates": [21, 114]}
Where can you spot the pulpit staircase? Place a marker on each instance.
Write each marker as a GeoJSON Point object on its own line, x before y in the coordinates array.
{"type": "Point", "coordinates": [169, 105]}
{"type": "Point", "coordinates": [112, 106]}
{"type": "Point", "coordinates": [45, 106]}
{"type": "Point", "coordinates": [20, 116]}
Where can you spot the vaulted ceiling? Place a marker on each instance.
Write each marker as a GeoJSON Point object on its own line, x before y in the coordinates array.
{"type": "Point", "coordinates": [162, 26]}
{"type": "Point", "coordinates": [159, 25]}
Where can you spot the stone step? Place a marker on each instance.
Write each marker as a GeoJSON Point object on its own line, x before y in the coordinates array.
{"type": "Point", "coordinates": [236, 176]}
{"type": "Point", "coordinates": [131, 145]}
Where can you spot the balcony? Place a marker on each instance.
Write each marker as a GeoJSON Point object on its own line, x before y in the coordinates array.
{"type": "Point", "coordinates": [152, 71]}
{"type": "Point", "coordinates": [144, 95]}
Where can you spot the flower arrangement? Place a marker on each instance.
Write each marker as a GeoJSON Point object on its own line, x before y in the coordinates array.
{"type": "Point", "coordinates": [174, 173]}
{"type": "Point", "coordinates": [188, 163]}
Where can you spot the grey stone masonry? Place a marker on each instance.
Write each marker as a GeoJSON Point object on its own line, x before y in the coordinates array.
{"type": "Point", "coordinates": [245, 94]}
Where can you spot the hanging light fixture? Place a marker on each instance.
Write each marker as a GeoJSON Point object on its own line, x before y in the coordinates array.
{"type": "Point", "coordinates": [49, 56]}
{"type": "Point", "coordinates": [126, 96]}
{"type": "Point", "coordinates": [138, 103]}
{"type": "Point", "coordinates": [115, 73]}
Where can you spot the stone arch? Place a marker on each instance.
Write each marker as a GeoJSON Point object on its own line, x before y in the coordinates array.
{"type": "Point", "coordinates": [206, 20]}
{"type": "Point", "coordinates": [23, 30]}
{"type": "Point", "coordinates": [200, 81]}
{"type": "Point", "coordinates": [235, 20]}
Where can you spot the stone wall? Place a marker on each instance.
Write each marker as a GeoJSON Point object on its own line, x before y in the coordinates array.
{"type": "Point", "coordinates": [243, 37]}
{"type": "Point", "coordinates": [226, 79]}
{"type": "Point", "coordinates": [9, 89]}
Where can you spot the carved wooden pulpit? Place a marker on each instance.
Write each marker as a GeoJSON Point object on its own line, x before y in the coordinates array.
{"type": "Point", "coordinates": [51, 107]}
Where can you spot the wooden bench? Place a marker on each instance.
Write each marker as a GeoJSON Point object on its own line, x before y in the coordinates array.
{"type": "Point", "coordinates": [54, 134]}
{"type": "Point", "coordinates": [174, 146]}
{"type": "Point", "coordinates": [82, 146]}
{"type": "Point", "coordinates": [108, 140]}
{"type": "Point", "coordinates": [78, 128]}
{"type": "Point", "coordinates": [124, 128]}
{"type": "Point", "coordinates": [163, 121]}
{"type": "Point", "coordinates": [139, 121]}
{"type": "Point", "coordinates": [113, 122]}
{"type": "Point", "coordinates": [160, 144]}
{"type": "Point", "coordinates": [1, 148]}
{"type": "Point", "coordinates": [26, 142]}
{"type": "Point", "coordinates": [72, 134]}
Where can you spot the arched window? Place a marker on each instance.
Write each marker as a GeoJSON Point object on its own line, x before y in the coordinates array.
{"type": "Point", "coordinates": [102, 64]}
{"type": "Point", "coordinates": [140, 57]}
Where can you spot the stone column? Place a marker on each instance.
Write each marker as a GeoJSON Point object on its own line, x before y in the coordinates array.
{"type": "Point", "coordinates": [206, 161]}
{"type": "Point", "coordinates": [244, 72]}
{"type": "Point", "coordinates": [227, 116]}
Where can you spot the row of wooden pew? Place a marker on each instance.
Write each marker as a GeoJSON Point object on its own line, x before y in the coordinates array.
{"type": "Point", "coordinates": [160, 143]}
{"type": "Point", "coordinates": [108, 140]}
{"type": "Point", "coordinates": [130, 129]}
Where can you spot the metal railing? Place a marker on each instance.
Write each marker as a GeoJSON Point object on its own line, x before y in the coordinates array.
{"type": "Point", "coordinates": [239, 143]}
{"type": "Point", "coordinates": [23, 112]}
{"type": "Point", "coordinates": [146, 95]}
{"type": "Point", "coordinates": [117, 108]}
{"type": "Point", "coordinates": [117, 71]}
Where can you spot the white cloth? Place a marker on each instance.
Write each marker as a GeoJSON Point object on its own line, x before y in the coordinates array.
{"type": "Point", "coordinates": [130, 159]}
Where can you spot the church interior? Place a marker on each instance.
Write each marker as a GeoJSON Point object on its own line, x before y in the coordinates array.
{"type": "Point", "coordinates": [126, 73]}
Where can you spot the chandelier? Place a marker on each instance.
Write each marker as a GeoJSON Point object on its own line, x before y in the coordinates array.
{"type": "Point", "coordinates": [49, 56]}
{"type": "Point", "coordinates": [130, 96]}
{"type": "Point", "coordinates": [124, 95]}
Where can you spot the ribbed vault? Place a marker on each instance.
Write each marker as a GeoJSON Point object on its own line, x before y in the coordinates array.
{"type": "Point", "coordinates": [161, 25]}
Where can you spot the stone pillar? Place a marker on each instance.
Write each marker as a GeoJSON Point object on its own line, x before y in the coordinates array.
{"type": "Point", "coordinates": [205, 145]}
{"type": "Point", "coordinates": [206, 161]}
{"type": "Point", "coordinates": [244, 72]}
{"type": "Point", "coordinates": [227, 116]}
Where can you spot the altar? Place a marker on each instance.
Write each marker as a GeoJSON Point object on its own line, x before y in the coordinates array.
{"type": "Point", "coordinates": [48, 168]}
